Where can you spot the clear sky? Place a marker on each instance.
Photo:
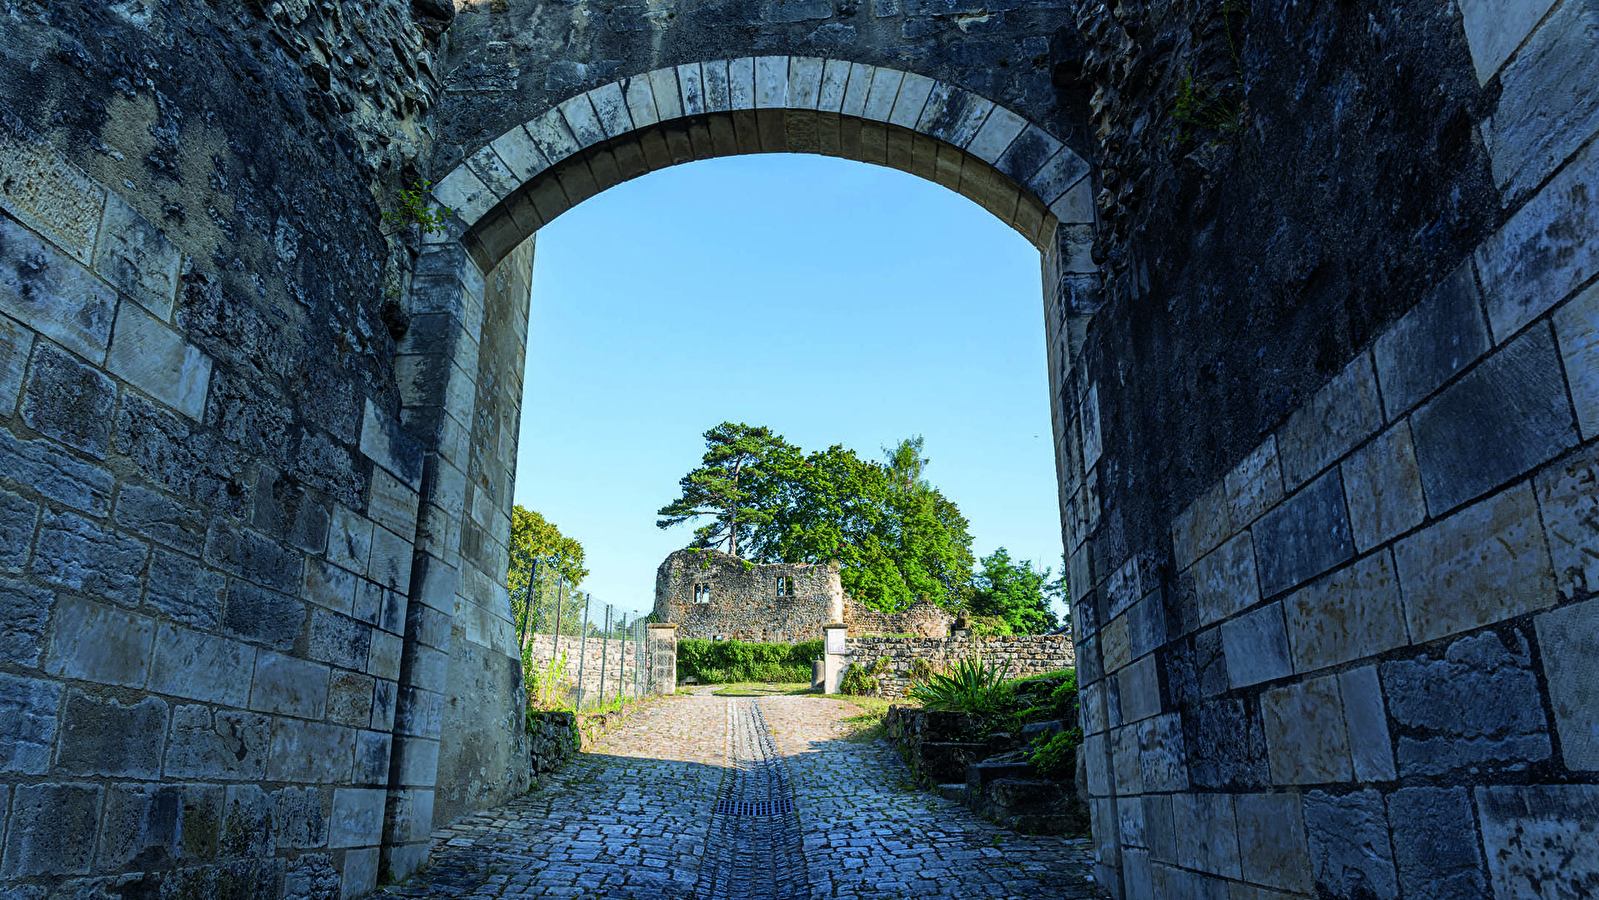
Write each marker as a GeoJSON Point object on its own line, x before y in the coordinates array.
{"type": "Point", "coordinates": [833, 301]}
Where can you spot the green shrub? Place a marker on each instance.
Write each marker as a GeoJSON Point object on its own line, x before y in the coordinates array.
{"type": "Point", "coordinates": [971, 685]}
{"type": "Point", "coordinates": [1056, 758]}
{"type": "Point", "coordinates": [861, 681]}
{"type": "Point", "coordinates": [988, 626]}
{"type": "Point", "coordinates": [411, 208]}
{"type": "Point", "coordinates": [730, 662]}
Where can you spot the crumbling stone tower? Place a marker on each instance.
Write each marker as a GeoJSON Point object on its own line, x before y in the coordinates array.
{"type": "Point", "coordinates": [713, 595]}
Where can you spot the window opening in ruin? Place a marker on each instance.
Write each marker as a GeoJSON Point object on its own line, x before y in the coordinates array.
{"type": "Point", "coordinates": [702, 593]}
{"type": "Point", "coordinates": [785, 587]}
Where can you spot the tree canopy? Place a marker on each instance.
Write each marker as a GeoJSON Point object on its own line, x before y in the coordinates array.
{"type": "Point", "coordinates": [895, 536]}
{"type": "Point", "coordinates": [733, 485]}
{"type": "Point", "coordinates": [545, 566]}
{"type": "Point", "coordinates": [1014, 594]}
{"type": "Point", "coordinates": [535, 538]}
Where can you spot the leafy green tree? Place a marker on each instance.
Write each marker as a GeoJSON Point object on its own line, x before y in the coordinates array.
{"type": "Point", "coordinates": [545, 566]}
{"type": "Point", "coordinates": [895, 536]}
{"type": "Point", "coordinates": [1012, 592]}
{"type": "Point", "coordinates": [735, 484]}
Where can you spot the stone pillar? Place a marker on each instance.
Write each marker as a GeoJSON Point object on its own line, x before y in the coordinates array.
{"type": "Point", "coordinates": [661, 648]}
{"type": "Point", "coordinates": [836, 656]}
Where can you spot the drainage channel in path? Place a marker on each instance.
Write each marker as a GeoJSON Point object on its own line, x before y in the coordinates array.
{"type": "Point", "coordinates": [754, 850]}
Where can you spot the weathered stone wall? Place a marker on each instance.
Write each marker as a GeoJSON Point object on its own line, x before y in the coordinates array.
{"type": "Point", "coordinates": [1019, 655]}
{"type": "Point", "coordinates": [923, 619]}
{"type": "Point", "coordinates": [209, 509]}
{"type": "Point", "coordinates": [513, 61]}
{"type": "Point", "coordinates": [745, 604]}
{"type": "Point", "coordinates": [579, 666]}
{"type": "Point", "coordinates": [553, 739]}
{"type": "Point", "coordinates": [1327, 450]}
{"type": "Point", "coordinates": [481, 754]}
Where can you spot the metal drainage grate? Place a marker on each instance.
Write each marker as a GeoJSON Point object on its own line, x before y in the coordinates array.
{"type": "Point", "coordinates": [754, 807]}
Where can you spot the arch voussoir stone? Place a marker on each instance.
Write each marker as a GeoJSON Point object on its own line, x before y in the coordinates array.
{"type": "Point", "coordinates": [625, 128]}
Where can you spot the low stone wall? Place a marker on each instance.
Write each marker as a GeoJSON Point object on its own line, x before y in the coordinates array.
{"type": "Point", "coordinates": [620, 659]}
{"type": "Point", "coordinates": [552, 740]}
{"type": "Point", "coordinates": [1025, 654]}
{"type": "Point", "coordinates": [922, 620]}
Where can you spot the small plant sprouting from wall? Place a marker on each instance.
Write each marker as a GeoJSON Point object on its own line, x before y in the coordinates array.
{"type": "Point", "coordinates": [1216, 107]}
{"type": "Point", "coordinates": [412, 209]}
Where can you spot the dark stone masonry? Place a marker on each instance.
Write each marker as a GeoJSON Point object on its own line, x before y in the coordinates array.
{"type": "Point", "coordinates": [1321, 330]}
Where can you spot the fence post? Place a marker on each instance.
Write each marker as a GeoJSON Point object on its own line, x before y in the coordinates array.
{"type": "Point", "coordinates": [605, 650]}
{"type": "Point", "coordinates": [583, 657]}
{"type": "Point", "coordinates": [560, 588]}
{"type": "Point", "coordinates": [835, 650]}
{"type": "Point", "coordinates": [661, 643]}
{"type": "Point", "coordinates": [527, 628]}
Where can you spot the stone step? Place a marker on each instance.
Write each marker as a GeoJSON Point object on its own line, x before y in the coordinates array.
{"type": "Point", "coordinates": [944, 761]}
{"type": "Point", "coordinates": [1042, 730]}
{"type": "Point", "coordinates": [1014, 795]}
{"type": "Point", "coordinates": [979, 775]}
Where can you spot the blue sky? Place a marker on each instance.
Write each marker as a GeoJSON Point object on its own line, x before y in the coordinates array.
{"type": "Point", "coordinates": [833, 301]}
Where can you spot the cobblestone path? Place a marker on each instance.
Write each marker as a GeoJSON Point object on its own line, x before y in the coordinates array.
{"type": "Point", "coordinates": [755, 852]}
{"type": "Point", "coordinates": [686, 801]}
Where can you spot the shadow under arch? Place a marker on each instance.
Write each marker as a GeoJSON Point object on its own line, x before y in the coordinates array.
{"type": "Point", "coordinates": [459, 365]}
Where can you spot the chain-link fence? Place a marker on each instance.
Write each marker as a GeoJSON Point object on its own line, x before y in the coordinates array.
{"type": "Point", "coordinates": [577, 652]}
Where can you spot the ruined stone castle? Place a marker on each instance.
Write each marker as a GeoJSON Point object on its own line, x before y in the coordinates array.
{"type": "Point", "coordinates": [1320, 322]}
{"type": "Point", "coordinates": [712, 595]}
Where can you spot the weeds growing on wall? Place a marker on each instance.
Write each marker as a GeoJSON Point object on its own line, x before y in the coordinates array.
{"type": "Point", "coordinates": [921, 670]}
{"type": "Point", "coordinates": [411, 208]}
{"type": "Point", "coordinates": [730, 662]}
{"type": "Point", "coordinates": [546, 689]}
{"type": "Point", "coordinates": [1056, 757]}
{"type": "Point", "coordinates": [1215, 105]}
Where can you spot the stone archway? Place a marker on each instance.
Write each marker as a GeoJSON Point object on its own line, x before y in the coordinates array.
{"type": "Point", "coordinates": [1349, 445]}
{"type": "Point", "coordinates": [461, 364]}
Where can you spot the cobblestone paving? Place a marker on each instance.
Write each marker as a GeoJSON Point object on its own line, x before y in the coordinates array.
{"type": "Point", "coordinates": [755, 850]}
{"type": "Point", "coordinates": [636, 818]}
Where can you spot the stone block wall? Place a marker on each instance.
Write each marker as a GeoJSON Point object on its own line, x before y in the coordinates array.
{"type": "Point", "coordinates": [211, 482]}
{"type": "Point", "coordinates": [553, 738]}
{"type": "Point", "coordinates": [1325, 410]}
{"type": "Point", "coordinates": [924, 619]}
{"type": "Point", "coordinates": [1020, 655]}
{"type": "Point", "coordinates": [1358, 662]}
{"type": "Point", "coordinates": [620, 658]}
{"type": "Point", "coordinates": [745, 603]}
{"type": "Point", "coordinates": [205, 578]}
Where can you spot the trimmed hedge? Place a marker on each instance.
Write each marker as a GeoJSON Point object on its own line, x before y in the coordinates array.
{"type": "Point", "coordinates": [729, 662]}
